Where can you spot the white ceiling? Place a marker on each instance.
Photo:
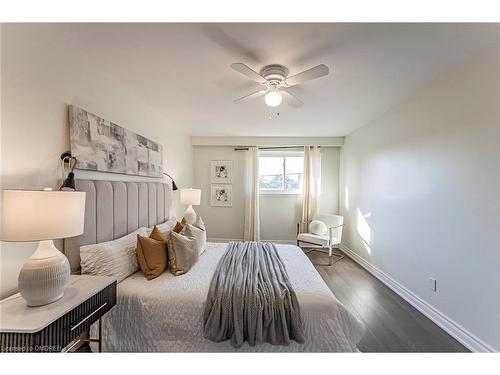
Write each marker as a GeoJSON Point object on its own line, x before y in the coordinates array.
{"type": "Point", "coordinates": [182, 70]}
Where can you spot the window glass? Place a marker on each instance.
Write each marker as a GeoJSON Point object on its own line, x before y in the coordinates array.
{"type": "Point", "coordinates": [281, 172]}
{"type": "Point", "coordinates": [294, 166]}
{"type": "Point", "coordinates": [271, 173]}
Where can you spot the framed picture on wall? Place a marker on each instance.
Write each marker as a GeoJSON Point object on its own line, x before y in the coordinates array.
{"type": "Point", "coordinates": [221, 196]}
{"type": "Point", "coordinates": [101, 145]}
{"type": "Point", "coordinates": [221, 171]}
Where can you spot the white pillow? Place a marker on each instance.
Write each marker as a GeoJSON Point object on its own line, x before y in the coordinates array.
{"type": "Point", "coordinates": [318, 227]}
{"type": "Point", "coordinates": [115, 258]}
{"type": "Point", "coordinates": [167, 226]}
{"type": "Point", "coordinates": [198, 232]}
{"type": "Point", "coordinates": [202, 241]}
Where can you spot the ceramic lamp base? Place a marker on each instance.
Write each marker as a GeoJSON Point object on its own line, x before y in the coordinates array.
{"type": "Point", "coordinates": [190, 215]}
{"type": "Point", "coordinates": [44, 275]}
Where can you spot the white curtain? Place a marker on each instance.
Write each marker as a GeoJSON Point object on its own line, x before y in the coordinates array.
{"type": "Point", "coordinates": [312, 184]}
{"type": "Point", "coordinates": [252, 221]}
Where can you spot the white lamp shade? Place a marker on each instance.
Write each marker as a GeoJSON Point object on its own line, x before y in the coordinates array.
{"type": "Point", "coordinates": [190, 196]}
{"type": "Point", "coordinates": [29, 215]}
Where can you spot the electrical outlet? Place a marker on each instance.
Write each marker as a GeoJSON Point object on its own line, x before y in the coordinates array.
{"type": "Point", "coordinates": [432, 284]}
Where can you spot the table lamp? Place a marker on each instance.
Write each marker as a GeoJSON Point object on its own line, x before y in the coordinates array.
{"type": "Point", "coordinates": [191, 197]}
{"type": "Point", "coordinates": [29, 215]}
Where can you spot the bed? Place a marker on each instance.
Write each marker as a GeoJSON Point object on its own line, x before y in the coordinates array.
{"type": "Point", "coordinates": [166, 313]}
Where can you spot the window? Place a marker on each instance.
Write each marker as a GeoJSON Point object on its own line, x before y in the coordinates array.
{"type": "Point", "coordinates": [281, 172]}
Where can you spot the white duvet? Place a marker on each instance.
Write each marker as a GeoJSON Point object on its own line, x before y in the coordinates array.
{"type": "Point", "coordinates": [166, 314]}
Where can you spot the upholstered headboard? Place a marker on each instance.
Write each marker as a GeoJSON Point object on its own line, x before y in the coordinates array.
{"type": "Point", "coordinates": [115, 208]}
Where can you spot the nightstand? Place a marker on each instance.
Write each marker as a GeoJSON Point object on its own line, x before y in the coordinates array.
{"type": "Point", "coordinates": [53, 327]}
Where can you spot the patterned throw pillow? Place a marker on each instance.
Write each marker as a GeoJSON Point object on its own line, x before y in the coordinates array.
{"type": "Point", "coordinates": [198, 234]}
{"type": "Point", "coordinates": [182, 253]}
{"type": "Point", "coordinates": [115, 258]}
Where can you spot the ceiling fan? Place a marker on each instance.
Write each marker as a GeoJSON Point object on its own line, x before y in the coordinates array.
{"type": "Point", "coordinates": [275, 80]}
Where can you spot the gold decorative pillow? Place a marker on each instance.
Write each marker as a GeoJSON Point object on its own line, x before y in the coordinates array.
{"type": "Point", "coordinates": [157, 235]}
{"type": "Point", "coordinates": [182, 253]}
{"type": "Point", "coordinates": [178, 227]}
{"type": "Point", "coordinates": [152, 254]}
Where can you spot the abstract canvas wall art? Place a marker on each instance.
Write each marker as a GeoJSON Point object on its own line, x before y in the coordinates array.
{"type": "Point", "coordinates": [100, 145]}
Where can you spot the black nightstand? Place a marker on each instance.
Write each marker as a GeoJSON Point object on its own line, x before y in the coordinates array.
{"type": "Point", "coordinates": [57, 326]}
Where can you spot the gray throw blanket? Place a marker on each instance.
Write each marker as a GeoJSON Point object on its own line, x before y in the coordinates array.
{"type": "Point", "coordinates": [251, 298]}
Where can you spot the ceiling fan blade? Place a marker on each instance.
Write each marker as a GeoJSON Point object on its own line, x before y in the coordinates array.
{"type": "Point", "coordinates": [307, 75]}
{"type": "Point", "coordinates": [250, 73]}
{"type": "Point", "coordinates": [292, 99]}
{"type": "Point", "coordinates": [216, 33]}
{"type": "Point", "coordinates": [253, 95]}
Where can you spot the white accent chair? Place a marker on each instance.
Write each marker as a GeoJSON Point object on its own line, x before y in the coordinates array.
{"type": "Point", "coordinates": [331, 240]}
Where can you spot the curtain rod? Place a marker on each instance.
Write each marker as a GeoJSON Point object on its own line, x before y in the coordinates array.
{"type": "Point", "coordinates": [270, 148]}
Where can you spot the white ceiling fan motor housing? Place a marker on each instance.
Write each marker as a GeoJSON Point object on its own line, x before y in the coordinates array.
{"type": "Point", "coordinates": [274, 74]}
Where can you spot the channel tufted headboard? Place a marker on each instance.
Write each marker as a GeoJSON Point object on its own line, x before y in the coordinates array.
{"type": "Point", "coordinates": [113, 209]}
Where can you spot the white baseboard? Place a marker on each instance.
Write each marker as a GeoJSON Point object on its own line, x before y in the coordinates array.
{"type": "Point", "coordinates": [284, 242]}
{"type": "Point", "coordinates": [467, 339]}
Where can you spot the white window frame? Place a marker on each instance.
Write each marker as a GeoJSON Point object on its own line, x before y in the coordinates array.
{"type": "Point", "coordinates": [283, 154]}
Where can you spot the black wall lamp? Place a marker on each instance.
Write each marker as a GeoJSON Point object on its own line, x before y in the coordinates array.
{"type": "Point", "coordinates": [69, 163]}
{"type": "Point", "coordinates": [174, 186]}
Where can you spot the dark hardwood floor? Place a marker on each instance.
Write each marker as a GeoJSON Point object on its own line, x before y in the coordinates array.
{"type": "Point", "coordinates": [392, 324]}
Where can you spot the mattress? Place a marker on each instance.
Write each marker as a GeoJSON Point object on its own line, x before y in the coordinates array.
{"type": "Point", "coordinates": [166, 314]}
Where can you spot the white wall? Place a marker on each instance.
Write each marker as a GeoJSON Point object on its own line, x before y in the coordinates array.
{"type": "Point", "coordinates": [278, 213]}
{"type": "Point", "coordinates": [40, 76]}
{"type": "Point", "coordinates": [421, 184]}
{"type": "Point", "coordinates": [221, 222]}
{"type": "Point", "coordinates": [330, 164]}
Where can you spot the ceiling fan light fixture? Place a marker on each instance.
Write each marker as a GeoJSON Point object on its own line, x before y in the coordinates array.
{"type": "Point", "coordinates": [273, 98]}
{"type": "Point", "coordinates": [275, 76]}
